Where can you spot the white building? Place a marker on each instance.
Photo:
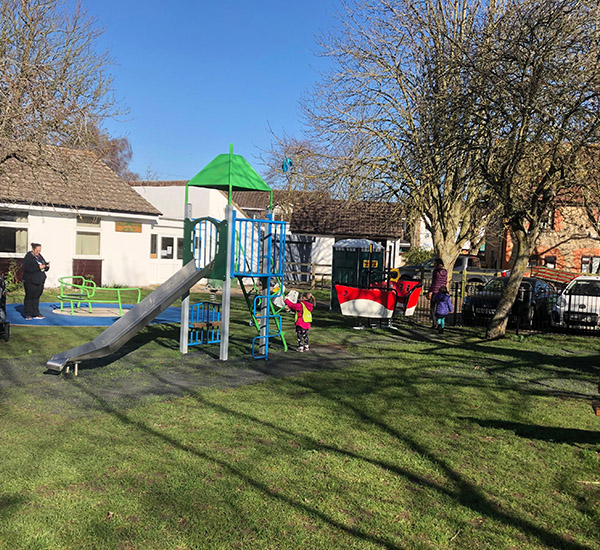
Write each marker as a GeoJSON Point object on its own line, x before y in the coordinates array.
{"type": "Point", "coordinates": [166, 248]}
{"type": "Point", "coordinates": [88, 220]}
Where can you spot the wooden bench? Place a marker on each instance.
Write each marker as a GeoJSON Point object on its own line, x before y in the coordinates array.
{"type": "Point", "coordinates": [78, 290]}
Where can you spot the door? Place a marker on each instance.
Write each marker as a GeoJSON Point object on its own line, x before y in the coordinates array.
{"type": "Point", "coordinates": [90, 269]}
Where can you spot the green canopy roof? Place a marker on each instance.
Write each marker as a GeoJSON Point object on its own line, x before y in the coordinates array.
{"type": "Point", "coordinates": [229, 172]}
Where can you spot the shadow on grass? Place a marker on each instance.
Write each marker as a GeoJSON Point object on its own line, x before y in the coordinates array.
{"type": "Point", "coordinates": [346, 391]}
{"type": "Point", "coordinates": [464, 492]}
{"type": "Point", "coordinates": [533, 371]}
{"type": "Point", "coordinates": [467, 493]}
{"type": "Point", "coordinates": [267, 491]}
{"type": "Point", "coordinates": [10, 504]}
{"type": "Point", "coordinates": [544, 433]}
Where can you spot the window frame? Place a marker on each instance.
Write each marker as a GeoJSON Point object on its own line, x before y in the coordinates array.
{"type": "Point", "coordinates": [179, 248]}
{"type": "Point", "coordinates": [77, 243]}
{"type": "Point", "coordinates": [17, 224]}
{"type": "Point", "coordinates": [153, 246]}
{"type": "Point", "coordinates": [88, 225]}
{"type": "Point", "coordinates": [172, 255]}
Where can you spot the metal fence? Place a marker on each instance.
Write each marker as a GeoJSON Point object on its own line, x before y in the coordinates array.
{"type": "Point", "coordinates": [534, 309]}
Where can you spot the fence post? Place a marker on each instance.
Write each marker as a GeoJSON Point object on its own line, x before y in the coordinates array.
{"type": "Point", "coordinates": [455, 303]}
{"type": "Point", "coordinates": [313, 276]}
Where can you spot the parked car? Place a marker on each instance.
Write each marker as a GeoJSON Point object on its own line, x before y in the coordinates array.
{"type": "Point", "coordinates": [578, 305]}
{"type": "Point", "coordinates": [532, 307]}
{"type": "Point", "coordinates": [470, 264]}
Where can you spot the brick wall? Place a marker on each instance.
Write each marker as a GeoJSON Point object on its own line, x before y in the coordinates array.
{"type": "Point", "coordinates": [569, 236]}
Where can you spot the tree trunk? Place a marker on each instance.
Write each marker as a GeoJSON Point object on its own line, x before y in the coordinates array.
{"type": "Point", "coordinates": [524, 245]}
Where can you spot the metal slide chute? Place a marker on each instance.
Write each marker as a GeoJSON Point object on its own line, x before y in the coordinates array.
{"type": "Point", "coordinates": [122, 330]}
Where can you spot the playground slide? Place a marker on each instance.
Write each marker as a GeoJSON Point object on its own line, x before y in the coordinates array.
{"type": "Point", "coordinates": [134, 320]}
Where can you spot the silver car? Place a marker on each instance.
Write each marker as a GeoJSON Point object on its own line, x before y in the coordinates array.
{"type": "Point", "coordinates": [578, 305]}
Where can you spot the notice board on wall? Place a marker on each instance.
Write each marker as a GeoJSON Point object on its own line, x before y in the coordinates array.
{"type": "Point", "coordinates": [128, 227]}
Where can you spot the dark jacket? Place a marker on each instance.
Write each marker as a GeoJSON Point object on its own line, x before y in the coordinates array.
{"type": "Point", "coordinates": [443, 304]}
{"type": "Point", "coordinates": [31, 269]}
{"type": "Point", "coordinates": [439, 278]}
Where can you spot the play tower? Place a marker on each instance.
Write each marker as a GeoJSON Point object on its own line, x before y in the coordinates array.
{"type": "Point", "coordinates": [254, 255]}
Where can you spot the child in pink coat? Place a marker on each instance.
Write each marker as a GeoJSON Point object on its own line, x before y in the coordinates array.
{"type": "Point", "coordinates": [303, 311]}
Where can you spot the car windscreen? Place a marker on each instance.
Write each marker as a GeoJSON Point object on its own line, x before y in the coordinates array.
{"type": "Point", "coordinates": [495, 285]}
{"type": "Point", "coordinates": [585, 288]}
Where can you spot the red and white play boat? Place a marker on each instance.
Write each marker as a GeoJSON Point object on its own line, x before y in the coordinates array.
{"type": "Point", "coordinates": [374, 303]}
{"type": "Point", "coordinates": [379, 302]}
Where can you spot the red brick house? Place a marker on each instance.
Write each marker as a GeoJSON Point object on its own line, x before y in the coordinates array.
{"type": "Point", "coordinates": [568, 241]}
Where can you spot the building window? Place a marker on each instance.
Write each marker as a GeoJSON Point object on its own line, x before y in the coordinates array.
{"type": "Point", "coordinates": [88, 221]}
{"type": "Point", "coordinates": [166, 248]}
{"type": "Point", "coordinates": [87, 241]}
{"type": "Point", "coordinates": [87, 244]}
{"type": "Point", "coordinates": [590, 264]}
{"type": "Point", "coordinates": [180, 248]}
{"type": "Point", "coordinates": [534, 261]}
{"type": "Point", "coordinates": [550, 262]}
{"type": "Point", "coordinates": [13, 231]}
{"type": "Point", "coordinates": [547, 220]}
{"type": "Point", "coordinates": [153, 245]}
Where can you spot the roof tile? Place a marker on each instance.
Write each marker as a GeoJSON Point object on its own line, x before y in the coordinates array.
{"type": "Point", "coordinates": [46, 175]}
{"type": "Point", "coordinates": [316, 213]}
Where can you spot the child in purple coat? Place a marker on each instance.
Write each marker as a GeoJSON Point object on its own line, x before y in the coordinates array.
{"type": "Point", "coordinates": [443, 307]}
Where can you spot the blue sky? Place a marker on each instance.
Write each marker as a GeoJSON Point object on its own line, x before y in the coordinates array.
{"type": "Point", "coordinates": [198, 75]}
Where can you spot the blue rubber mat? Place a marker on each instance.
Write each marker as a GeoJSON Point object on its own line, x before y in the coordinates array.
{"type": "Point", "coordinates": [14, 314]}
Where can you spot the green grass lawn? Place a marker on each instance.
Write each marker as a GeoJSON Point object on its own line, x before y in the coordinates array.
{"type": "Point", "coordinates": [374, 439]}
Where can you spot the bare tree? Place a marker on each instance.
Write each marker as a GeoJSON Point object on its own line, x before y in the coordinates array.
{"type": "Point", "coordinates": [116, 152]}
{"type": "Point", "coordinates": [294, 164]}
{"type": "Point", "coordinates": [397, 114]}
{"type": "Point", "coordinates": [588, 189]}
{"type": "Point", "coordinates": [54, 86]}
{"type": "Point", "coordinates": [540, 69]}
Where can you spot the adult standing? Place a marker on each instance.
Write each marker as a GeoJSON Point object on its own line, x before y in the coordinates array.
{"type": "Point", "coordinates": [34, 277]}
{"type": "Point", "coordinates": [439, 279]}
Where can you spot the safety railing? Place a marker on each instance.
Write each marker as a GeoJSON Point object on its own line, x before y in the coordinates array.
{"type": "Point", "coordinates": [259, 247]}
{"type": "Point", "coordinates": [204, 324]}
{"type": "Point", "coordinates": [206, 241]}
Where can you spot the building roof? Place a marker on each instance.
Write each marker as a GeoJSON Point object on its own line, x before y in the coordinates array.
{"type": "Point", "coordinates": [46, 175]}
{"type": "Point", "coordinates": [152, 183]}
{"type": "Point", "coordinates": [316, 213]}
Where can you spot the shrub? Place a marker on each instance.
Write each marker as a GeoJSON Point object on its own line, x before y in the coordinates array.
{"type": "Point", "coordinates": [11, 280]}
{"type": "Point", "coordinates": [417, 255]}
